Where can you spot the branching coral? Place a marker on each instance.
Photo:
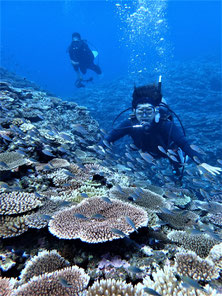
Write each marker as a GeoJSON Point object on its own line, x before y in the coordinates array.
{"type": "Point", "coordinates": [69, 225]}
{"type": "Point", "coordinates": [52, 283]}
{"type": "Point", "coordinates": [44, 262]}
{"type": "Point", "coordinates": [113, 287]}
{"type": "Point", "coordinates": [165, 283]}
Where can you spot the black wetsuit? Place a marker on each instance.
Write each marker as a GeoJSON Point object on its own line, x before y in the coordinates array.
{"type": "Point", "coordinates": [165, 134]}
{"type": "Point", "coordinates": [80, 52]}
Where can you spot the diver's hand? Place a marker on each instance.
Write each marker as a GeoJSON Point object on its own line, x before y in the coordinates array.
{"type": "Point", "coordinates": [211, 169]}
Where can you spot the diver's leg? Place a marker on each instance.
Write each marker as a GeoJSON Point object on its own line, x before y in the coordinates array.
{"type": "Point", "coordinates": [95, 68]}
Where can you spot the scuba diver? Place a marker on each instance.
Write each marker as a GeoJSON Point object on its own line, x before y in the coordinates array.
{"type": "Point", "coordinates": [152, 128]}
{"type": "Point", "coordinates": [82, 58]}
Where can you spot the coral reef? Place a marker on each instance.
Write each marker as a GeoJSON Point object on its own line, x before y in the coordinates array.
{"type": "Point", "coordinates": [178, 221]}
{"type": "Point", "coordinates": [165, 283]}
{"type": "Point", "coordinates": [189, 264]}
{"type": "Point", "coordinates": [201, 244]}
{"type": "Point", "coordinates": [11, 226]}
{"type": "Point", "coordinates": [18, 202]}
{"type": "Point", "coordinates": [53, 283]}
{"type": "Point", "coordinates": [44, 262]}
{"type": "Point", "coordinates": [113, 287]}
{"type": "Point", "coordinates": [147, 199]}
{"type": "Point", "coordinates": [11, 160]}
{"type": "Point", "coordinates": [67, 224]}
{"type": "Point", "coordinates": [5, 287]}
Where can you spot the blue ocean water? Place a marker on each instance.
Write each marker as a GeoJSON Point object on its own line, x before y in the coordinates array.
{"type": "Point", "coordinates": [35, 36]}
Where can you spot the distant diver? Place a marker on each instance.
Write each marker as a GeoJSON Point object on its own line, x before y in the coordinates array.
{"type": "Point", "coordinates": [152, 128]}
{"type": "Point", "coordinates": [82, 59]}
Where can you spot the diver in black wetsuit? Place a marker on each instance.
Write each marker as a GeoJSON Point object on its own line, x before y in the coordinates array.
{"type": "Point", "coordinates": [153, 130]}
{"type": "Point", "coordinates": [82, 58]}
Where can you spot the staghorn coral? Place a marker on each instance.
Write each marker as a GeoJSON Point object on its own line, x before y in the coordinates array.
{"type": "Point", "coordinates": [11, 226]}
{"type": "Point", "coordinates": [178, 221]}
{"type": "Point", "coordinates": [50, 283]}
{"type": "Point", "coordinates": [149, 200]}
{"type": "Point", "coordinates": [165, 283]}
{"type": "Point", "coordinates": [44, 262]}
{"type": "Point", "coordinates": [200, 244]}
{"type": "Point", "coordinates": [113, 287]}
{"type": "Point", "coordinates": [12, 160]}
{"type": "Point", "coordinates": [189, 264]}
{"type": "Point", "coordinates": [18, 202]}
{"type": "Point", "coordinates": [94, 230]}
{"type": "Point", "coordinates": [5, 287]}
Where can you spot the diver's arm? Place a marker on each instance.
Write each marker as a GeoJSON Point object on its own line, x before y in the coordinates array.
{"type": "Point", "coordinates": [117, 133]}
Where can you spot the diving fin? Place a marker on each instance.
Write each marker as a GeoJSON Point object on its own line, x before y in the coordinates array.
{"type": "Point", "coordinates": [95, 53]}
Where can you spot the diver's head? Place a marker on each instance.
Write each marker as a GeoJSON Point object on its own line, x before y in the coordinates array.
{"type": "Point", "coordinates": [145, 113]}
{"type": "Point", "coordinates": [145, 103]}
{"type": "Point", "coordinates": [76, 37]}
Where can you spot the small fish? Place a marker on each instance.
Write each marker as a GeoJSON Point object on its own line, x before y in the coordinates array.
{"type": "Point", "coordinates": [147, 157]}
{"type": "Point", "coordinates": [219, 161]}
{"type": "Point", "coordinates": [98, 216]}
{"type": "Point", "coordinates": [197, 149]}
{"type": "Point", "coordinates": [62, 149]}
{"type": "Point", "coordinates": [204, 193]}
{"type": "Point", "coordinates": [162, 149]}
{"type": "Point", "coordinates": [68, 173]}
{"type": "Point", "coordinates": [5, 137]}
{"type": "Point", "coordinates": [103, 131]}
{"type": "Point", "coordinates": [166, 211]}
{"type": "Point", "coordinates": [196, 159]}
{"type": "Point", "coordinates": [106, 199]}
{"type": "Point", "coordinates": [170, 151]}
{"type": "Point", "coordinates": [46, 217]}
{"type": "Point", "coordinates": [80, 216]}
{"type": "Point", "coordinates": [66, 185]}
{"type": "Point", "coordinates": [119, 189]}
{"type": "Point", "coordinates": [192, 283]}
{"type": "Point", "coordinates": [66, 137]}
{"type": "Point", "coordinates": [119, 232]}
{"type": "Point", "coordinates": [107, 144]}
{"type": "Point", "coordinates": [133, 147]}
{"type": "Point", "coordinates": [194, 231]}
{"type": "Point", "coordinates": [172, 157]}
{"type": "Point", "coordinates": [170, 195]}
{"type": "Point", "coordinates": [3, 164]}
{"type": "Point", "coordinates": [129, 156]}
{"type": "Point", "coordinates": [4, 185]}
{"type": "Point", "coordinates": [131, 223]}
{"type": "Point", "coordinates": [79, 128]}
{"type": "Point", "coordinates": [84, 195]}
{"type": "Point", "coordinates": [47, 152]}
{"type": "Point", "coordinates": [47, 167]}
{"type": "Point", "coordinates": [64, 283]}
{"type": "Point", "coordinates": [134, 269]}
{"type": "Point", "coordinates": [151, 291]}
{"type": "Point", "coordinates": [64, 203]}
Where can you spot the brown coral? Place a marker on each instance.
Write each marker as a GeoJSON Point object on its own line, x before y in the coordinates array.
{"type": "Point", "coordinates": [68, 281]}
{"type": "Point", "coordinates": [200, 244]}
{"type": "Point", "coordinates": [178, 221]}
{"type": "Point", "coordinates": [189, 264]}
{"type": "Point", "coordinates": [12, 160]}
{"type": "Point", "coordinates": [5, 287]}
{"type": "Point", "coordinates": [18, 202]}
{"type": "Point", "coordinates": [94, 230]}
{"type": "Point", "coordinates": [44, 262]}
{"type": "Point", "coordinates": [11, 226]}
{"type": "Point", "coordinates": [113, 287]}
{"type": "Point", "coordinates": [147, 199]}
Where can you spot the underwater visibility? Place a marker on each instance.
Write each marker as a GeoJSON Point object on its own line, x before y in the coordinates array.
{"type": "Point", "coordinates": [110, 148]}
